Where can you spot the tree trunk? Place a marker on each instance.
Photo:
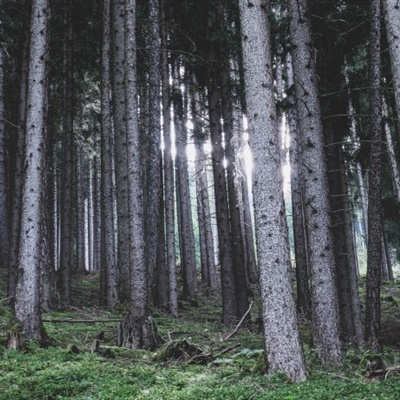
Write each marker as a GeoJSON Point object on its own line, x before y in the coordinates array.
{"type": "Point", "coordinates": [391, 10]}
{"type": "Point", "coordinates": [4, 243]}
{"type": "Point", "coordinates": [121, 165]}
{"type": "Point", "coordinates": [325, 319]}
{"type": "Point", "coordinates": [153, 184]}
{"type": "Point", "coordinates": [66, 199]}
{"type": "Point", "coordinates": [297, 191]}
{"type": "Point", "coordinates": [169, 195]}
{"type": "Point", "coordinates": [108, 260]}
{"type": "Point", "coordinates": [79, 206]}
{"type": "Point", "coordinates": [374, 253]}
{"type": "Point", "coordinates": [188, 259]}
{"type": "Point", "coordinates": [27, 300]}
{"type": "Point", "coordinates": [281, 336]}
{"type": "Point", "coordinates": [134, 330]}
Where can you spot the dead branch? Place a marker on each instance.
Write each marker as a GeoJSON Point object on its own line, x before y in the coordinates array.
{"type": "Point", "coordinates": [239, 324]}
{"type": "Point", "coordinates": [81, 321]}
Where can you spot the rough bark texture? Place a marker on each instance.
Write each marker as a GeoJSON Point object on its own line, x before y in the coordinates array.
{"type": "Point", "coordinates": [108, 261]}
{"type": "Point", "coordinates": [121, 165]}
{"type": "Point", "coordinates": [66, 199]}
{"type": "Point", "coordinates": [374, 252]}
{"type": "Point", "coordinates": [282, 342]}
{"type": "Point", "coordinates": [153, 189]}
{"type": "Point", "coordinates": [169, 185]}
{"type": "Point", "coordinates": [325, 319]}
{"type": "Point", "coordinates": [4, 246]}
{"type": "Point", "coordinates": [392, 17]}
{"type": "Point", "coordinates": [185, 222]}
{"type": "Point", "coordinates": [134, 332]}
{"type": "Point", "coordinates": [79, 206]}
{"type": "Point", "coordinates": [27, 300]}
{"type": "Point", "coordinates": [297, 191]}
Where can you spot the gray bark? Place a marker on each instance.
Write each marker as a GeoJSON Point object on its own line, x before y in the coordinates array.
{"type": "Point", "coordinates": [281, 336]}
{"type": "Point", "coordinates": [27, 300]}
{"type": "Point", "coordinates": [325, 319]}
{"type": "Point", "coordinates": [79, 205]}
{"type": "Point", "coordinates": [66, 199]}
{"type": "Point", "coordinates": [121, 165]}
{"type": "Point", "coordinates": [108, 261]}
{"type": "Point", "coordinates": [391, 10]}
{"type": "Point", "coordinates": [374, 250]}
{"type": "Point", "coordinates": [4, 243]}
{"type": "Point", "coordinates": [169, 184]}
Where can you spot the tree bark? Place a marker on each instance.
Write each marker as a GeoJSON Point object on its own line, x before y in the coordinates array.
{"type": "Point", "coordinates": [325, 319]}
{"type": "Point", "coordinates": [281, 336]}
{"type": "Point", "coordinates": [27, 300]}
{"type": "Point", "coordinates": [374, 252]}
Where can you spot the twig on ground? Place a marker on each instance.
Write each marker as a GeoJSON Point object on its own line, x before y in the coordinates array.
{"type": "Point", "coordinates": [239, 324]}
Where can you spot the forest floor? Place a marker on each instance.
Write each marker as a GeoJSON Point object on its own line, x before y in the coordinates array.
{"type": "Point", "coordinates": [196, 361]}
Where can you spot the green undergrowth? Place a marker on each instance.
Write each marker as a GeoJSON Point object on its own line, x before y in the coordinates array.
{"type": "Point", "coordinates": [197, 360]}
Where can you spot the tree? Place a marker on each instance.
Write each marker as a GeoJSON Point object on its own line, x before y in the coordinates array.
{"type": "Point", "coordinates": [392, 15]}
{"type": "Point", "coordinates": [325, 319]}
{"type": "Point", "coordinates": [27, 300]}
{"type": "Point", "coordinates": [282, 342]}
{"type": "Point", "coordinates": [374, 252]}
{"type": "Point", "coordinates": [3, 180]}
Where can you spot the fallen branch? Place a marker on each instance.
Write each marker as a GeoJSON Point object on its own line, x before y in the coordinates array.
{"type": "Point", "coordinates": [239, 324]}
{"type": "Point", "coordinates": [80, 321]}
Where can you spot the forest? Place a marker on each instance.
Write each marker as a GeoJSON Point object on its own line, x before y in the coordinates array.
{"type": "Point", "coordinates": [199, 189]}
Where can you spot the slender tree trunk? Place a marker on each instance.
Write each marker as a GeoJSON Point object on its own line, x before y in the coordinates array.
{"type": "Point", "coordinates": [108, 260]}
{"type": "Point", "coordinates": [281, 334]}
{"type": "Point", "coordinates": [66, 199]}
{"type": "Point", "coordinates": [27, 300]}
{"type": "Point", "coordinates": [188, 260]}
{"type": "Point", "coordinates": [325, 318]}
{"type": "Point", "coordinates": [121, 165]}
{"type": "Point", "coordinates": [297, 191]}
{"type": "Point", "coordinates": [391, 10]}
{"type": "Point", "coordinates": [374, 254]}
{"type": "Point", "coordinates": [153, 185]}
{"type": "Point", "coordinates": [4, 238]}
{"type": "Point", "coordinates": [79, 206]}
{"type": "Point", "coordinates": [169, 195]}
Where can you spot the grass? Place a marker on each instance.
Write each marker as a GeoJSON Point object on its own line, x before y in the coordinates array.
{"type": "Point", "coordinates": [231, 372]}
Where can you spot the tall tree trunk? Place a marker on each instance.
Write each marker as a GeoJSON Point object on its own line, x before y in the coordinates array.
{"type": "Point", "coordinates": [281, 334]}
{"type": "Point", "coordinates": [4, 243]}
{"type": "Point", "coordinates": [229, 305]}
{"type": "Point", "coordinates": [121, 165]}
{"type": "Point", "coordinates": [169, 185]}
{"type": "Point", "coordinates": [108, 260]}
{"type": "Point", "coordinates": [79, 205]}
{"type": "Point", "coordinates": [374, 252]}
{"type": "Point", "coordinates": [325, 318]}
{"type": "Point", "coordinates": [27, 300]}
{"type": "Point", "coordinates": [134, 330]}
{"type": "Point", "coordinates": [188, 253]}
{"type": "Point", "coordinates": [153, 184]}
{"type": "Point", "coordinates": [209, 271]}
{"type": "Point", "coordinates": [297, 192]}
{"type": "Point", "coordinates": [66, 199]}
{"type": "Point", "coordinates": [391, 10]}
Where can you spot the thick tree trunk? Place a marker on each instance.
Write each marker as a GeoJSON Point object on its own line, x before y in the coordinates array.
{"type": "Point", "coordinates": [325, 318]}
{"type": "Point", "coordinates": [134, 330]}
{"type": "Point", "coordinates": [27, 299]}
{"type": "Point", "coordinates": [282, 341]}
{"type": "Point", "coordinates": [66, 198]}
{"type": "Point", "coordinates": [108, 261]}
{"type": "Point", "coordinates": [374, 254]}
{"type": "Point", "coordinates": [169, 195]}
